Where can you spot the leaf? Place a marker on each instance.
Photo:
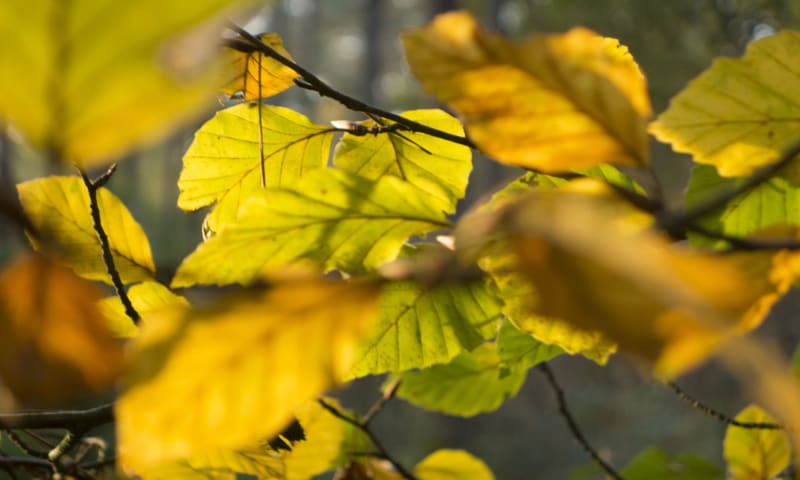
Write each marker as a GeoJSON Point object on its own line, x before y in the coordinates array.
{"type": "Point", "coordinates": [90, 81]}
{"type": "Point", "coordinates": [452, 465]}
{"type": "Point", "coordinates": [54, 344]}
{"type": "Point", "coordinates": [552, 103]}
{"type": "Point", "coordinates": [259, 76]}
{"type": "Point", "coordinates": [518, 350]}
{"type": "Point", "coordinates": [58, 208]}
{"type": "Point", "coordinates": [655, 463]}
{"type": "Point", "coordinates": [147, 298]}
{"type": "Point", "coordinates": [755, 453]}
{"type": "Point", "coordinates": [223, 163]}
{"type": "Point", "coordinates": [227, 376]}
{"type": "Point", "coordinates": [418, 327]}
{"type": "Point", "coordinates": [740, 113]}
{"type": "Point", "coordinates": [439, 167]}
{"type": "Point", "coordinates": [332, 218]}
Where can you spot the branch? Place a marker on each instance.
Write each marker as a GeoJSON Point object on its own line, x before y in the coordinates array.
{"type": "Point", "coordinates": [388, 394]}
{"type": "Point", "coordinates": [573, 426]}
{"type": "Point", "coordinates": [66, 419]}
{"type": "Point", "coordinates": [738, 244]}
{"type": "Point", "coordinates": [108, 259]}
{"type": "Point", "coordinates": [717, 414]}
{"type": "Point", "coordinates": [248, 43]}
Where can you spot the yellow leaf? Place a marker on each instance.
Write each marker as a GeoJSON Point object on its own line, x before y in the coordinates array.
{"type": "Point", "coordinates": [58, 208]}
{"type": "Point", "coordinates": [253, 69]}
{"type": "Point", "coordinates": [54, 344]}
{"type": "Point", "coordinates": [740, 113]}
{"type": "Point", "coordinates": [452, 465]}
{"type": "Point", "coordinates": [146, 297]}
{"type": "Point", "coordinates": [552, 103]}
{"type": "Point", "coordinates": [755, 454]}
{"type": "Point", "coordinates": [91, 80]}
{"type": "Point", "coordinates": [225, 377]}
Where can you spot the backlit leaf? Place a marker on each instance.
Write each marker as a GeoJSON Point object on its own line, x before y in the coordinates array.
{"type": "Point", "coordinates": [54, 343]}
{"type": "Point", "coordinates": [146, 297]}
{"type": "Point", "coordinates": [58, 207]}
{"type": "Point", "coordinates": [228, 376]}
{"type": "Point", "coordinates": [436, 166]}
{"type": "Point", "coordinates": [740, 113]}
{"type": "Point", "coordinates": [653, 463]}
{"type": "Point", "coordinates": [254, 69]}
{"type": "Point", "coordinates": [552, 102]}
{"type": "Point", "coordinates": [223, 164]}
{"type": "Point", "coordinates": [452, 465]}
{"type": "Point", "coordinates": [417, 326]}
{"type": "Point", "coordinates": [91, 80]}
{"type": "Point", "coordinates": [520, 351]}
{"type": "Point", "coordinates": [755, 454]}
{"type": "Point", "coordinates": [332, 218]}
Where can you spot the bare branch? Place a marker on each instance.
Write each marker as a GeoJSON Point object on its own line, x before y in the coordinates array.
{"type": "Point", "coordinates": [711, 412]}
{"type": "Point", "coordinates": [67, 419]}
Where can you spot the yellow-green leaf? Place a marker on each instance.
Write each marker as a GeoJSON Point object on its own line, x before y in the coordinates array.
{"type": "Point", "coordinates": [223, 165]}
{"type": "Point", "coordinates": [519, 351]}
{"type": "Point", "coordinates": [755, 454]}
{"type": "Point", "coordinates": [54, 344]}
{"type": "Point", "coordinates": [438, 167]}
{"type": "Point", "coordinates": [256, 75]}
{"type": "Point", "coordinates": [91, 80]}
{"type": "Point", "coordinates": [227, 376]}
{"type": "Point", "coordinates": [654, 463]}
{"type": "Point", "coordinates": [331, 218]}
{"type": "Point", "coordinates": [146, 297]}
{"type": "Point", "coordinates": [552, 102]}
{"type": "Point", "coordinates": [452, 465]}
{"type": "Point", "coordinates": [58, 208]}
{"type": "Point", "coordinates": [740, 113]}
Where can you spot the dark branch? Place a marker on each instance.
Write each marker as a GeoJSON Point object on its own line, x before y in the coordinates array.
{"type": "Point", "coordinates": [738, 244]}
{"type": "Point", "coordinates": [573, 426]}
{"type": "Point", "coordinates": [719, 415]}
{"type": "Point", "coordinates": [66, 419]}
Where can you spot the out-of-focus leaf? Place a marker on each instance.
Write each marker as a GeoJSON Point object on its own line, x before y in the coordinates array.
{"type": "Point", "coordinates": [228, 376]}
{"type": "Point", "coordinates": [451, 465]}
{"type": "Point", "coordinates": [58, 208]}
{"type": "Point", "coordinates": [470, 384]}
{"type": "Point", "coordinates": [54, 343]}
{"type": "Point", "coordinates": [418, 327]}
{"type": "Point", "coordinates": [518, 350]}
{"type": "Point", "coordinates": [91, 80]}
{"type": "Point", "coordinates": [741, 113]}
{"type": "Point", "coordinates": [147, 298]}
{"type": "Point", "coordinates": [552, 102]}
{"type": "Point", "coordinates": [372, 469]}
{"type": "Point", "coordinates": [331, 218]}
{"type": "Point", "coordinates": [438, 167]}
{"type": "Point", "coordinates": [258, 76]}
{"type": "Point", "coordinates": [653, 463]}
{"type": "Point", "coordinates": [223, 164]}
{"type": "Point", "coordinates": [755, 453]}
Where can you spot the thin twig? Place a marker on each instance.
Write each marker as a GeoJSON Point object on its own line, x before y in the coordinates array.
{"type": "Point", "coordinates": [312, 82]}
{"type": "Point", "coordinates": [388, 394]}
{"type": "Point", "coordinates": [108, 258]}
{"type": "Point", "coordinates": [70, 419]}
{"type": "Point", "coordinates": [373, 438]}
{"type": "Point", "coordinates": [260, 128]}
{"type": "Point", "coordinates": [573, 426]}
{"type": "Point", "coordinates": [24, 462]}
{"type": "Point", "coordinates": [719, 415]}
{"type": "Point", "coordinates": [738, 244]}
{"type": "Point", "coordinates": [41, 439]}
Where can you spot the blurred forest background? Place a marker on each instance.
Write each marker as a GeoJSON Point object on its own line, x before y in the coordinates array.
{"type": "Point", "coordinates": [354, 45]}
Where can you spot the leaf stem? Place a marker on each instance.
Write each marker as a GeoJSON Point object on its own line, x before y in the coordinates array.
{"type": "Point", "coordinates": [70, 419]}
{"type": "Point", "coordinates": [711, 412]}
{"type": "Point", "coordinates": [388, 394]}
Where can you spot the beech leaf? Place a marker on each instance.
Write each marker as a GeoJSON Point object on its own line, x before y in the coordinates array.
{"type": "Point", "coordinates": [452, 465]}
{"type": "Point", "coordinates": [146, 298]}
{"type": "Point", "coordinates": [258, 76]}
{"type": "Point", "coordinates": [755, 453]}
{"type": "Point", "coordinates": [654, 463]}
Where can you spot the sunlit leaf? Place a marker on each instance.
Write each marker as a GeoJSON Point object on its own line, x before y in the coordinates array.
{"type": "Point", "coordinates": [223, 164]}
{"type": "Point", "coordinates": [755, 453]}
{"type": "Point", "coordinates": [91, 80]}
{"type": "Point", "coordinates": [58, 208]}
{"type": "Point", "coordinates": [254, 69]}
{"type": "Point", "coordinates": [228, 376]}
{"type": "Point", "coordinates": [740, 113]}
{"type": "Point", "coordinates": [552, 102]}
{"type": "Point", "coordinates": [452, 465]}
{"type": "Point", "coordinates": [438, 167]}
{"type": "Point", "coordinates": [417, 326]}
{"type": "Point", "coordinates": [331, 218]}
{"type": "Point", "coordinates": [146, 298]}
{"type": "Point", "coordinates": [54, 343]}
{"type": "Point", "coordinates": [654, 463]}
{"type": "Point", "coordinates": [519, 351]}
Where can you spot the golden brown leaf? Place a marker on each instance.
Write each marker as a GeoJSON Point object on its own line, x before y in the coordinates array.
{"type": "Point", "coordinates": [258, 76]}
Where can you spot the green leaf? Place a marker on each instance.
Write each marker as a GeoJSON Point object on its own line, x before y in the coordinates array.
{"type": "Point", "coordinates": [653, 463]}
{"type": "Point", "coordinates": [452, 465]}
{"type": "Point", "coordinates": [438, 167]}
{"type": "Point", "coordinates": [775, 202]}
{"type": "Point", "coordinates": [471, 383]}
{"type": "Point", "coordinates": [223, 164]}
{"type": "Point", "coordinates": [418, 327]}
{"type": "Point", "coordinates": [520, 351]}
{"type": "Point", "coordinates": [58, 207]}
{"type": "Point", "coordinates": [146, 298]}
{"type": "Point", "coordinates": [92, 80]}
{"type": "Point", "coordinates": [755, 454]}
{"type": "Point", "coordinates": [334, 219]}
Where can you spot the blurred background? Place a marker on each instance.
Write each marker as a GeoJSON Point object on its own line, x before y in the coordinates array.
{"type": "Point", "coordinates": [354, 45]}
